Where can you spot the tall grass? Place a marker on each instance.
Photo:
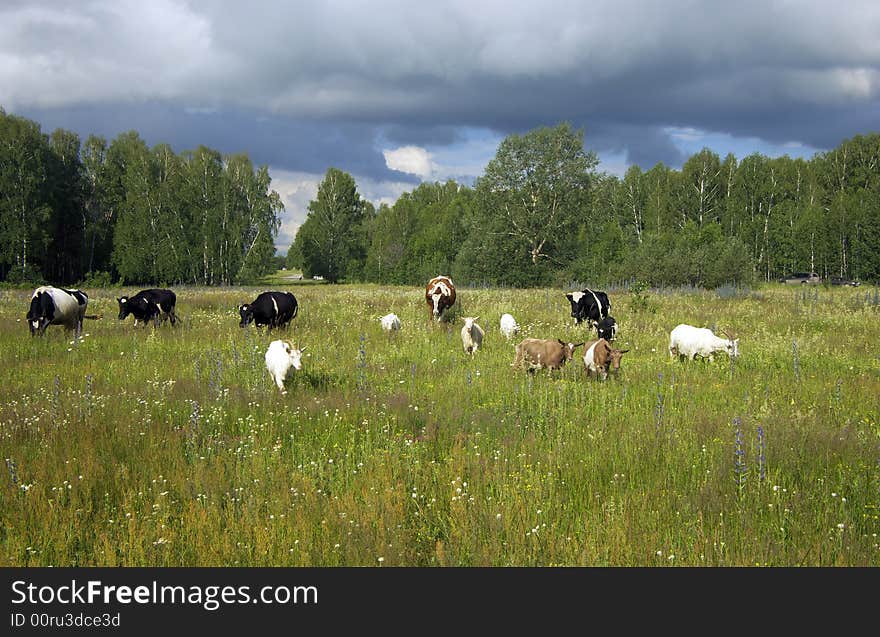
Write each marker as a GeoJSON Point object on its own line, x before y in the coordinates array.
{"type": "Point", "coordinates": [172, 446]}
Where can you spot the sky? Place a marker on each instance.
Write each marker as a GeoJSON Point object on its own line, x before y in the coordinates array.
{"type": "Point", "coordinates": [396, 92]}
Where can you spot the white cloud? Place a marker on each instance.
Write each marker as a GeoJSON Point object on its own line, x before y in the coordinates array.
{"type": "Point", "coordinates": [410, 159]}
{"type": "Point", "coordinates": [685, 133]}
{"type": "Point", "coordinates": [297, 189]}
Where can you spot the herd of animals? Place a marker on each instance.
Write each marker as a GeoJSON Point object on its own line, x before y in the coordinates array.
{"type": "Point", "coordinates": [60, 306]}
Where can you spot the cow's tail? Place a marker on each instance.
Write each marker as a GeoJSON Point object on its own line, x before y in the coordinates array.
{"type": "Point", "coordinates": [94, 317]}
{"type": "Point", "coordinates": [295, 311]}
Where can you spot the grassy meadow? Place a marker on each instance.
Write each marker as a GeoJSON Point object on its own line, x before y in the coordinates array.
{"type": "Point", "coordinates": [172, 447]}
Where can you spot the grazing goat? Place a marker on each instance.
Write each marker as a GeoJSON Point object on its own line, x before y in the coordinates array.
{"type": "Point", "coordinates": [537, 353]}
{"type": "Point", "coordinates": [690, 342]}
{"type": "Point", "coordinates": [600, 358]}
{"type": "Point", "coordinates": [390, 322]}
{"type": "Point", "coordinates": [280, 357]}
{"type": "Point", "coordinates": [471, 335]}
{"type": "Point", "coordinates": [508, 326]}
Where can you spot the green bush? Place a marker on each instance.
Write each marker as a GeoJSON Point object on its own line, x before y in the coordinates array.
{"type": "Point", "coordinates": [99, 279]}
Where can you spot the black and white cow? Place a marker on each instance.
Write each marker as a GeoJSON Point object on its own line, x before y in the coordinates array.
{"type": "Point", "coordinates": [589, 305]}
{"type": "Point", "coordinates": [607, 328]}
{"type": "Point", "coordinates": [272, 309]}
{"type": "Point", "coordinates": [56, 306]}
{"type": "Point", "coordinates": [149, 305]}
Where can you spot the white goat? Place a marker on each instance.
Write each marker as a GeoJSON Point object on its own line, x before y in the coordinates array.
{"type": "Point", "coordinates": [508, 326]}
{"type": "Point", "coordinates": [280, 357]}
{"type": "Point", "coordinates": [471, 335]}
{"type": "Point", "coordinates": [390, 322]}
{"type": "Point", "coordinates": [690, 342]}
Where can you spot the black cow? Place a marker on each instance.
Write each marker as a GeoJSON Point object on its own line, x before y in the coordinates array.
{"type": "Point", "coordinates": [272, 309]}
{"type": "Point", "coordinates": [149, 305]}
{"type": "Point", "coordinates": [56, 306]}
{"type": "Point", "coordinates": [589, 305]}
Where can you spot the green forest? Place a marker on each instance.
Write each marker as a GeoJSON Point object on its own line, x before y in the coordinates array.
{"type": "Point", "coordinates": [98, 212]}
{"type": "Point", "coordinates": [542, 213]}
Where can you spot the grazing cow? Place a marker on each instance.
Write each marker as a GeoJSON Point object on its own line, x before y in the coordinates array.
{"type": "Point", "coordinates": [607, 328]}
{"type": "Point", "coordinates": [537, 353]}
{"type": "Point", "coordinates": [508, 326]}
{"type": "Point", "coordinates": [600, 358]}
{"type": "Point", "coordinates": [471, 335]}
{"type": "Point", "coordinates": [588, 305]}
{"type": "Point", "coordinates": [280, 357]}
{"type": "Point", "coordinates": [149, 305]}
{"type": "Point", "coordinates": [272, 309]}
{"type": "Point", "coordinates": [690, 342]}
{"type": "Point", "coordinates": [57, 306]}
{"type": "Point", "coordinates": [390, 322]}
{"type": "Point", "coordinates": [440, 296]}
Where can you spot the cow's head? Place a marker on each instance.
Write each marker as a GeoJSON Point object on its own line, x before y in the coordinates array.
{"type": "Point", "coordinates": [123, 307]}
{"type": "Point", "coordinates": [576, 311]}
{"type": "Point", "coordinates": [40, 314]}
{"type": "Point", "coordinates": [438, 297]}
{"type": "Point", "coordinates": [246, 313]}
{"type": "Point", "coordinates": [38, 325]}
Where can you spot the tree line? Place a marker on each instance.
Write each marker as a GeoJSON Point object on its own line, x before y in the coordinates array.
{"type": "Point", "coordinates": [543, 214]}
{"type": "Point", "coordinates": [73, 211]}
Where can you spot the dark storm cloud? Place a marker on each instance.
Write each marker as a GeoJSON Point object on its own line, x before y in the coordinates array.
{"type": "Point", "coordinates": [421, 134]}
{"type": "Point", "coordinates": [281, 142]}
{"type": "Point", "coordinates": [307, 85]}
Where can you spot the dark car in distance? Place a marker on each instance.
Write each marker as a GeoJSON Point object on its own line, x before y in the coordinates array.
{"type": "Point", "coordinates": [837, 280]}
{"type": "Point", "coordinates": [801, 278]}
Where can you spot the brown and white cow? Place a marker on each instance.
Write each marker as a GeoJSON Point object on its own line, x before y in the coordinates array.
{"type": "Point", "coordinates": [440, 296]}
{"type": "Point", "coordinates": [600, 358]}
{"type": "Point", "coordinates": [538, 353]}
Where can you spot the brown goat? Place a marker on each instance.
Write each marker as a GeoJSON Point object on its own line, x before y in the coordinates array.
{"type": "Point", "coordinates": [538, 353]}
{"type": "Point", "coordinates": [600, 358]}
